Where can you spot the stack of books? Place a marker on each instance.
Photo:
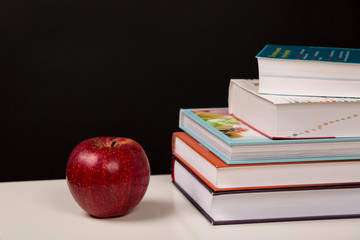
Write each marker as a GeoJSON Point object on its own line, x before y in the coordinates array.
{"type": "Point", "coordinates": [286, 148]}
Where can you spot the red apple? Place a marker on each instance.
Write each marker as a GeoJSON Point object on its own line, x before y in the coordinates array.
{"type": "Point", "coordinates": [108, 176]}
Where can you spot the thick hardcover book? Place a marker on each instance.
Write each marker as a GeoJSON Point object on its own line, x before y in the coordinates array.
{"type": "Point", "coordinates": [267, 205]}
{"type": "Point", "coordinates": [316, 71]}
{"type": "Point", "coordinates": [221, 176]}
{"type": "Point", "coordinates": [284, 116]}
{"type": "Point", "coordinates": [236, 143]}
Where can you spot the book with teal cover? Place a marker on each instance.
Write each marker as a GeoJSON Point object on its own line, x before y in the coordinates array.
{"type": "Point", "coordinates": [309, 71]}
{"type": "Point", "coordinates": [325, 54]}
{"type": "Point", "coordinates": [226, 137]}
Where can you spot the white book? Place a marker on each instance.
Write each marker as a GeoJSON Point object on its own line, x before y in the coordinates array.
{"type": "Point", "coordinates": [285, 116]}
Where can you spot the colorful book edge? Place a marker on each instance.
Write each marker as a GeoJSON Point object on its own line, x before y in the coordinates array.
{"type": "Point", "coordinates": [259, 161]}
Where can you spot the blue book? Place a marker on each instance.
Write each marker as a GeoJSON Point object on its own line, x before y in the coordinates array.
{"type": "Point", "coordinates": [316, 54]}
{"type": "Point", "coordinates": [236, 143]}
{"type": "Point", "coordinates": [311, 71]}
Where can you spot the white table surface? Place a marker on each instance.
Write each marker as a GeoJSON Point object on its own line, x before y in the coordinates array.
{"type": "Point", "coordinates": [45, 210]}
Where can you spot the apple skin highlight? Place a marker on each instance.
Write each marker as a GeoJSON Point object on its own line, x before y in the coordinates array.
{"type": "Point", "coordinates": [108, 176]}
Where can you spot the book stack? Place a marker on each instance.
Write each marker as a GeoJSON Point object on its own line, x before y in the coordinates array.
{"type": "Point", "coordinates": [286, 148]}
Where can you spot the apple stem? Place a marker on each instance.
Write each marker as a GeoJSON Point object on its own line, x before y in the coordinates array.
{"type": "Point", "coordinates": [113, 143]}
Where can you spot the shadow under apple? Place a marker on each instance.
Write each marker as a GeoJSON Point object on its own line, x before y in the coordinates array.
{"type": "Point", "coordinates": [146, 210]}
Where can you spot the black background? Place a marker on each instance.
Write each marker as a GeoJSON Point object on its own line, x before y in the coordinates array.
{"type": "Point", "coordinates": [71, 70]}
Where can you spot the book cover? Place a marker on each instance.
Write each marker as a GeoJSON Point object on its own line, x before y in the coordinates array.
{"type": "Point", "coordinates": [220, 123]}
{"type": "Point", "coordinates": [324, 54]}
{"type": "Point", "coordinates": [223, 135]}
{"type": "Point", "coordinates": [205, 198]}
{"type": "Point", "coordinates": [234, 132]}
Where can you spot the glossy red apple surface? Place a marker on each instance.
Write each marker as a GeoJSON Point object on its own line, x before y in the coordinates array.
{"type": "Point", "coordinates": [108, 176]}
